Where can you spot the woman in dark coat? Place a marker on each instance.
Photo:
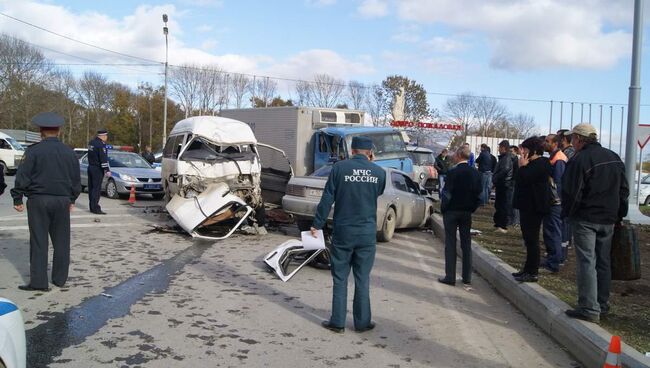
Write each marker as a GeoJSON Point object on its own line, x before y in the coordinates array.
{"type": "Point", "coordinates": [533, 199]}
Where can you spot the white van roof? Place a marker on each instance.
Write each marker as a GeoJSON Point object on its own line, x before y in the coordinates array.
{"type": "Point", "coordinates": [3, 135]}
{"type": "Point", "coordinates": [216, 129]}
{"type": "Point", "coordinates": [418, 149]}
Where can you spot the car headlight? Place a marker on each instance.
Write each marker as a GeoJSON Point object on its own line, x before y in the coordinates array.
{"type": "Point", "coordinates": [127, 177]}
{"type": "Point", "coordinates": [421, 176]}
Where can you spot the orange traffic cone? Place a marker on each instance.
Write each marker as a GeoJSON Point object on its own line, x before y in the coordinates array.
{"type": "Point", "coordinates": [613, 359]}
{"type": "Point", "coordinates": [132, 194]}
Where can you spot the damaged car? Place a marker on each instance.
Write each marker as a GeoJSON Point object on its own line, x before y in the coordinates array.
{"type": "Point", "coordinates": [213, 177]}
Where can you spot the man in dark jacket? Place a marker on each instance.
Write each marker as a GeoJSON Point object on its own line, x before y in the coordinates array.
{"type": "Point", "coordinates": [504, 187]}
{"type": "Point", "coordinates": [49, 176]}
{"type": "Point", "coordinates": [354, 186]}
{"type": "Point", "coordinates": [461, 197]}
{"type": "Point", "coordinates": [565, 143]}
{"type": "Point", "coordinates": [442, 165]}
{"type": "Point", "coordinates": [485, 166]}
{"type": "Point", "coordinates": [97, 168]}
{"type": "Point", "coordinates": [594, 197]}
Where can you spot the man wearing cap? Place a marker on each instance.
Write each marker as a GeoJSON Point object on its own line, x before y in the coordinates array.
{"type": "Point", "coordinates": [565, 143]}
{"type": "Point", "coordinates": [49, 176]}
{"type": "Point", "coordinates": [594, 197]}
{"type": "Point", "coordinates": [97, 169]}
{"type": "Point", "coordinates": [503, 188]}
{"type": "Point", "coordinates": [354, 186]}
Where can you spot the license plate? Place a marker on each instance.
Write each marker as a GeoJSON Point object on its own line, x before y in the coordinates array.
{"type": "Point", "coordinates": [315, 192]}
{"type": "Point", "coordinates": [152, 186]}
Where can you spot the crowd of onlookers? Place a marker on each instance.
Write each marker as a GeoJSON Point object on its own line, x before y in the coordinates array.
{"type": "Point", "coordinates": [565, 184]}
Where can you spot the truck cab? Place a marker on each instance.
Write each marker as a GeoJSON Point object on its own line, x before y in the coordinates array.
{"type": "Point", "coordinates": [334, 143]}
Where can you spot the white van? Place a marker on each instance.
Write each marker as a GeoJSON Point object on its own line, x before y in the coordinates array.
{"type": "Point", "coordinates": [11, 153]}
{"type": "Point", "coordinates": [213, 166]}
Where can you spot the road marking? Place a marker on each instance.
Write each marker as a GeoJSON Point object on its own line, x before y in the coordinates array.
{"type": "Point", "coordinates": [74, 226]}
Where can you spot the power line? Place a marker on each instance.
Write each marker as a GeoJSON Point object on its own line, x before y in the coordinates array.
{"type": "Point", "coordinates": [78, 41]}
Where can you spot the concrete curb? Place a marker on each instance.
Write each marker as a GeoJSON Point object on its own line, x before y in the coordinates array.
{"type": "Point", "coordinates": [587, 342]}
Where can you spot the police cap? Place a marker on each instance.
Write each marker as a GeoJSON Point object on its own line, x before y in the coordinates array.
{"type": "Point", "coordinates": [48, 120]}
{"type": "Point", "coordinates": [102, 131]}
{"type": "Point", "coordinates": [362, 143]}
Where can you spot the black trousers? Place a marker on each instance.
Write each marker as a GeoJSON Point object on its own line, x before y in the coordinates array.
{"type": "Point", "coordinates": [48, 215]}
{"type": "Point", "coordinates": [530, 225]}
{"type": "Point", "coordinates": [502, 205]}
{"type": "Point", "coordinates": [461, 221]}
{"type": "Point", "coordinates": [95, 177]}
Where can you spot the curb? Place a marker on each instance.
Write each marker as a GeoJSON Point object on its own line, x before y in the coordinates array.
{"type": "Point", "coordinates": [587, 342]}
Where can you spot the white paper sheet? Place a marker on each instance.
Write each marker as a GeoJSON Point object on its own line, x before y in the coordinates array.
{"type": "Point", "coordinates": [309, 242]}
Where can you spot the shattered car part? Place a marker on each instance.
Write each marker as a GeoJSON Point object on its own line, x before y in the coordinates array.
{"type": "Point", "coordinates": [213, 214]}
{"type": "Point", "coordinates": [289, 254]}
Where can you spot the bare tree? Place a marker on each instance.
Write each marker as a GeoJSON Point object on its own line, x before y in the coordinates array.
{"type": "Point", "coordinates": [377, 105]}
{"type": "Point", "coordinates": [210, 93]}
{"type": "Point", "coordinates": [303, 90]}
{"type": "Point", "coordinates": [184, 84]}
{"type": "Point", "coordinates": [95, 94]}
{"type": "Point", "coordinates": [489, 112]}
{"type": "Point", "coordinates": [65, 85]}
{"type": "Point", "coordinates": [326, 90]}
{"type": "Point", "coordinates": [239, 85]}
{"type": "Point", "coordinates": [461, 110]}
{"type": "Point", "coordinates": [357, 93]}
{"type": "Point", "coordinates": [263, 89]}
{"type": "Point", "coordinates": [522, 126]}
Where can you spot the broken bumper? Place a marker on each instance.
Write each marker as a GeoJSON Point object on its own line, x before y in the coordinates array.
{"type": "Point", "coordinates": [288, 258]}
{"type": "Point", "coordinates": [213, 214]}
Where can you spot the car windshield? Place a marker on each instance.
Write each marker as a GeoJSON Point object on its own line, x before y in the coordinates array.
{"type": "Point", "coordinates": [386, 146]}
{"type": "Point", "coordinates": [422, 158]}
{"type": "Point", "coordinates": [14, 143]}
{"type": "Point", "coordinates": [125, 159]}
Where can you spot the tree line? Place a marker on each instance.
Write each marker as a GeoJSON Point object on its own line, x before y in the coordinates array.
{"type": "Point", "coordinates": [31, 83]}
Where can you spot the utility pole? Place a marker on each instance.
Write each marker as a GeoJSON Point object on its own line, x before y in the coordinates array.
{"type": "Point", "coordinates": [165, 31]}
{"type": "Point", "coordinates": [633, 109]}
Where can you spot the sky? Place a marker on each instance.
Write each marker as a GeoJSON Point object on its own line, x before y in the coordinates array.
{"type": "Point", "coordinates": [558, 50]}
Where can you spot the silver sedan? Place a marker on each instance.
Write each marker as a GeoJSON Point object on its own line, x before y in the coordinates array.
{"type": "Point", "coordinates": [403, 204]}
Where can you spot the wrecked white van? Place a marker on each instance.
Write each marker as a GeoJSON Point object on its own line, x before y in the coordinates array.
{"type": "Point", "coordinates": [212, 176]}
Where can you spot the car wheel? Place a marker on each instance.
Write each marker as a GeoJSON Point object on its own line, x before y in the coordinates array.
{"type": "Point", "coordinates": [158, 196]}
{"type": "Point", "coordinates": [647, 201]}
{"type": "Point", "coordinates": [3, 168]}
{"type": "Point", "coordinates": [303, 225]}
{"type": "Point", "coordinates": [388, 228]}
{"type": "Point", "coordinates": [111, 190]}
{"type": "Point", "coordinates": [83, 189]}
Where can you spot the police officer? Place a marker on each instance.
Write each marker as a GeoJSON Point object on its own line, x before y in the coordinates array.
{"type": "Point", "coordinates": [354, 185]}
{"type": "Point", "coordinates": [49, 176]}
{"type": "Point", "coordinates": [97, 169]}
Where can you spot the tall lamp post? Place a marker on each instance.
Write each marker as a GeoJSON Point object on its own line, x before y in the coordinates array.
{"type": "Point", "coordinates": [165, 32]}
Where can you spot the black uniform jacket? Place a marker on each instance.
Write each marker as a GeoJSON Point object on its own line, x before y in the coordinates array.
{"type": "Point", "coordinates": [48, 168]}
{"type": "Point", "coordinates": [97, 155]}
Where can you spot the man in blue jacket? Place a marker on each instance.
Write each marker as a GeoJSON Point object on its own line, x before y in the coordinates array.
{"type": "Point", "coordinates": [354, 186]}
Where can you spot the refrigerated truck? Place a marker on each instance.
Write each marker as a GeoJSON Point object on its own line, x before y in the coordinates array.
{"type": "Point", "coordinates": [314, 137]}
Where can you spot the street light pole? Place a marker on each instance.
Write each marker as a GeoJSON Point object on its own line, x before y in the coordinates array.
{"type": "Point", "coordinates": [165, 31]}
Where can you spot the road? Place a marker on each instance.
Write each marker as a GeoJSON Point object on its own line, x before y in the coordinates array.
{"type": "Point", "coordinates": [152, 299]}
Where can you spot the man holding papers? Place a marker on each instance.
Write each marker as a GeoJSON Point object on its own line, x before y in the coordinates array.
{"type": "Point", "coordinates": [354, 186]}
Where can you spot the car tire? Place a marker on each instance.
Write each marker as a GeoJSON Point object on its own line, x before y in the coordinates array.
{"type": "Point", "coordinates": [158, 196]}
{"type": "Point", "coordinates": [111, 189]}
{"type": "Point", "coordinates": [3, 168]}
{"type": "Point", "coordinates": [83, 188]}
{"type": "Point", "coordinates": [647, 201]}
{"type": "Point", "coordinates": [388, 227]}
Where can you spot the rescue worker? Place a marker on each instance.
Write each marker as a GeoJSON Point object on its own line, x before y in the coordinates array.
{"type": "Point", "coordinates": [354, 186]}
{"type": "Point", "coordinates": [97, 169]}
{"type": "Point", "coordinates": [49, 176]}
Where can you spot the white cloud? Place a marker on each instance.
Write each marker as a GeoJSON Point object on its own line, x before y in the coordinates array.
{"type": "Point", "coordinates": [407, 34]}
{"type": "Point", "coordinates": [373, 8]}
{"type": "Point", "coordinates": [209, 44]}
{"type": "Point", "coordinates": [444, 44]}
{"type": "Point", "coordinates": [534, 34]}
{"type": "Point", "coordinates": [205, 3]}
{"type": "Point", "coordinates": [204, 28]}
{"type": "Point", "coordinates": [317, 61]}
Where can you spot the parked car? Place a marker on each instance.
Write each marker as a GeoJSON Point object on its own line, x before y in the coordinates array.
{"type": "Point", "coordinates": [403, 204]}
{"type": "Point", "coordinates": [11, 154]}
{"type": "Point", "coordinates": [80, 152]}
{"type": "Point", "coordinates": [424, 171]}
{"type": "Point", "coordinates": [644, 191]}
{"type": "Point", "coordinates": [13, 351]}
{"type": "Point", "coordinates": [127, 169]}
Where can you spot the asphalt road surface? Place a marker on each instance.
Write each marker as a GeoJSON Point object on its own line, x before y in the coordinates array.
{"type": "Point", "coordinates": [156, 299]}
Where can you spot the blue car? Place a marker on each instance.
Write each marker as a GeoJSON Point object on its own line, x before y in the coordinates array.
{"type": "Point", "coordinates": [127, 169]}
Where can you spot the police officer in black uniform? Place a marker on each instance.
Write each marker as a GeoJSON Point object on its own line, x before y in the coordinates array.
{"type": "Point", "coordinates": [97, 169]}
{"type": "Point", "coordinates": [354, 185]}
{"type": "Point", "coordinates": [49, 176]}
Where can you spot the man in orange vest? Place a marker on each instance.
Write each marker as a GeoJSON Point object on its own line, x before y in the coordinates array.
{"type": "Point", "coordinates": [553, 221]}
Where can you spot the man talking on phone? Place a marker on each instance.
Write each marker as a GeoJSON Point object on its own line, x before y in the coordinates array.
{"type": "Point", "coordinates": [354, 186]}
